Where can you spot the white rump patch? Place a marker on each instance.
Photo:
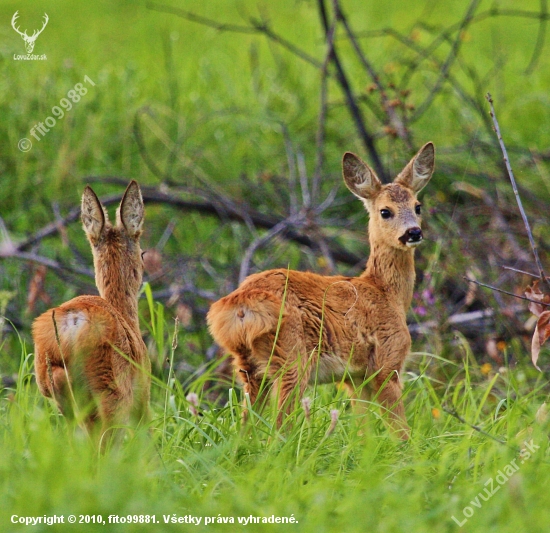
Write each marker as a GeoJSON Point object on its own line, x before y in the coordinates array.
{"type": "Point", "coordinates": [72, 324]}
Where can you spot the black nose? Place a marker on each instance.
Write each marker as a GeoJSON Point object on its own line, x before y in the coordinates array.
{"type": "Point", "coordinates": [414, 235]}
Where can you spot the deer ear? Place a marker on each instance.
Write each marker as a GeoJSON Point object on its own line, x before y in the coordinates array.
{"type": "Point", "coordinates": [93, 215]}
{"type": "Point", "coordinates": [360, 179]}
{"type": "Point", "coordinates": [419, 170]}
{"type": "Point", "coordinates": [131, 210]}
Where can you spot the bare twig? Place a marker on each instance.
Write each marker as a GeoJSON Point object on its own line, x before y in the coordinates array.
{"type": "Point", "coordinates": [256, 27]}
{"type": "Point", "coordinates": [320, 137]}
{"type": "Point", "coordinates": [263, 28]}
{"type": "Point", "coordinates": [292, 171]}
{"type": "Point", "coordinates": [261, 241]}
{"type": "Point", "coordinates": [394, 119]}
{"type": "Point", "coordinates": [467, 19]}
{"type": "Point", "coordinates": [53, 227]}
{"type": "Point", "coordinates": [187, 288]}
{"type": "Point", "coordinates": [228, 210]}
{"type": "Point", "coordinates": [500, 221]}
{"type": "Point", "coordinates": [366, 137]}
{"type": "Point", "coordinates": [193, 17]}
{"type": "Point", "coordinates": [502, 291]}
{"type": "Point", "coordinates": [325, 251]}
{"type": "Point", "coordinates": [454, 413]}
{"type": "Point", "coordinates": [50, 263]}
{"type": "Point", "coordinates": [515, 189]}
{"type": "Point", "coordinates": [302, 174]}
{"type": "Point", "coordinates": [521, 271]}
{"type": "Point", "coordinates": [541, 37]}
{"type": "Point", "coordinates": [138, 136]}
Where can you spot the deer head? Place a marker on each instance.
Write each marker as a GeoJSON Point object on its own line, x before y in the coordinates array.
{"type": "Point", "coordinates": [115, 248]}
{"type": "Point", "coordinates": [394, 211]}
{"type": "Point", "coordinates": [29, 40]}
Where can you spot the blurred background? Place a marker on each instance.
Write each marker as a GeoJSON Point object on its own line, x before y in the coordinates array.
{"type": "Point", "coordinates": [233, 117]}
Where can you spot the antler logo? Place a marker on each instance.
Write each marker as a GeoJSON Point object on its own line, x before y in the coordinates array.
{"type": "Point", "coordinates": [29, 40]}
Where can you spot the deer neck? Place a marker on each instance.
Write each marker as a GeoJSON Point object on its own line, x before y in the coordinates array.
{"type": "Point", "coordinates": [393, 270]}
{"type": "Point", "coordinates": [117, 293]}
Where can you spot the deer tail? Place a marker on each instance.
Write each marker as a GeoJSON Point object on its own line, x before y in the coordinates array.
{"type": "Point", "coordinates": [243, 316]}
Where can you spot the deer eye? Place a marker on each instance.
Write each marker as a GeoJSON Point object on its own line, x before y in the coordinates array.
{"type": "Point", "coordinates": [418, 209]}
{"type": "Point", "coordinates": [142, 254]}
{"type": "Point", "coordinates": [385, 213]}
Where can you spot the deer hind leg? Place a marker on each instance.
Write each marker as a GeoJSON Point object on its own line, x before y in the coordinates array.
{"type": "Point", "coordinates": [114, 411]}
{"type": "Point", "coordinates": [277, 362]}
{"type": "Point", "coordinates": [115, 402]}
{"type": "Point", "coordinates": [247, 373]}
{"type": "Point", "coordinates": [55, 385]}
{"type": "Point", "coordinates": [290, 365]}
{"type": "Point", "coordinates": [52, 376]}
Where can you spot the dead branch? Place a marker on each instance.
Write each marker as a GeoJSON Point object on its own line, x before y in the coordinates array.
{"type": "Point", "coordinates": [423, 53]}
{"type": "Point", "coordinates": [356, 114]}
{"type": "Point", "coordinates": [193, 17]}
{"type": "Point", "coordinates": [50, 263]}
{"type": "Point", "coordinates": [515, 189]}
{"type": "Point", "coordinates": [320, 136]}
{"type": "Point", "coordinates": [451, 57]}
{"type": "Point", "coordinates": [394, 120]}
{"type": "Point", "coordinates": [263, 240]}
{"type": "Point", "coordinates": [53, 227]}
{"type": "Point", "coordinates": [502, 291]}
{"type": "Point", "coordinates": [292, 172]}
{"type": "Point", "coordinates": [256, 27]}
{"type": "Point", "coordinates": [469, 322]}
{"type": "Point", "coordinates": [187, 288]}
{"type": "Point", "coordinates": [455, 414]}
{"type": "Point", "coordinates": [228, 211]}
{"type": "Point", "coordinates": [138, 136]}
{"type": "Point", "coordinates": [500, 222]}
{"type": "Point", "coordinates": [521, 271]}
{"type": "Point", "coordinates": [59, 268]}
{"type": "Point", "coordinates": [541, 37]}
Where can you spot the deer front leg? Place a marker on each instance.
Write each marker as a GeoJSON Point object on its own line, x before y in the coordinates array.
{"type": "Point", "coordinates": [389, 356]}
{"type": "Point", "coordinates": [389, 396]}
{"type": "Point", "coordinates": [359, 394]}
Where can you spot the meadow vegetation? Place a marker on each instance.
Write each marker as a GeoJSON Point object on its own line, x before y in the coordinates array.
{"type": "Point", "coordinates": [221, 129]}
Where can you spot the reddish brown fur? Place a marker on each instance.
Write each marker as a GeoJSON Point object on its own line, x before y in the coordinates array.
{"type": "Point", "coordinates": [361, 321]}
{"type": "Point", "coordinates": [93, 331]}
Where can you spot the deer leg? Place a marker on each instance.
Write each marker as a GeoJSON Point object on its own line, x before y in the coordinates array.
{"type": "Point", "coordinates": [277, 362]}
{"type": "Point", "coordinates": [114, 409]}
{"type": "Point", "coordinates": [291, 365]}
{"type": "Point", "coordinates": [359, 396]}
{"type": "Point", "coordinates": [247, 374]}
{"type": "Point", "coordinates": [389, 396]}
{"type": "Point", "coordinates": [292, 380]}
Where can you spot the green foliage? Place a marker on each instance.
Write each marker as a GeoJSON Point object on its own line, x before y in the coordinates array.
{"type": "Point", "coordinates": [345, 476]}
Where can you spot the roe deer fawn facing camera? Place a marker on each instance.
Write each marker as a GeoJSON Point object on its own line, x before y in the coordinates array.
{"type": "Point", "coordinates": [78, 345]}
{"type": "Point", "coordinates": [299, 327]}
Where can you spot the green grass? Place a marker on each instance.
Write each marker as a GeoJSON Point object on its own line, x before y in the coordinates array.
{"type": "Point", "coordinates": [355, 478]}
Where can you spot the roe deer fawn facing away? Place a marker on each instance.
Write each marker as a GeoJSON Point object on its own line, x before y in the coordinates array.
{"type": "Point", "coordinates": [78, 345]}
{"type": "Point", "coordinates": [298, 327]}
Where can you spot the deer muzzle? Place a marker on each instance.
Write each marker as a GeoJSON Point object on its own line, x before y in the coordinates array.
{"type": "Point", "coordinates": [412, 237]}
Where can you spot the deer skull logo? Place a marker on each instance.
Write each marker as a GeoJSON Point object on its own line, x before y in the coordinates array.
{"type": "Point", "coordinates": [29, 40]}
